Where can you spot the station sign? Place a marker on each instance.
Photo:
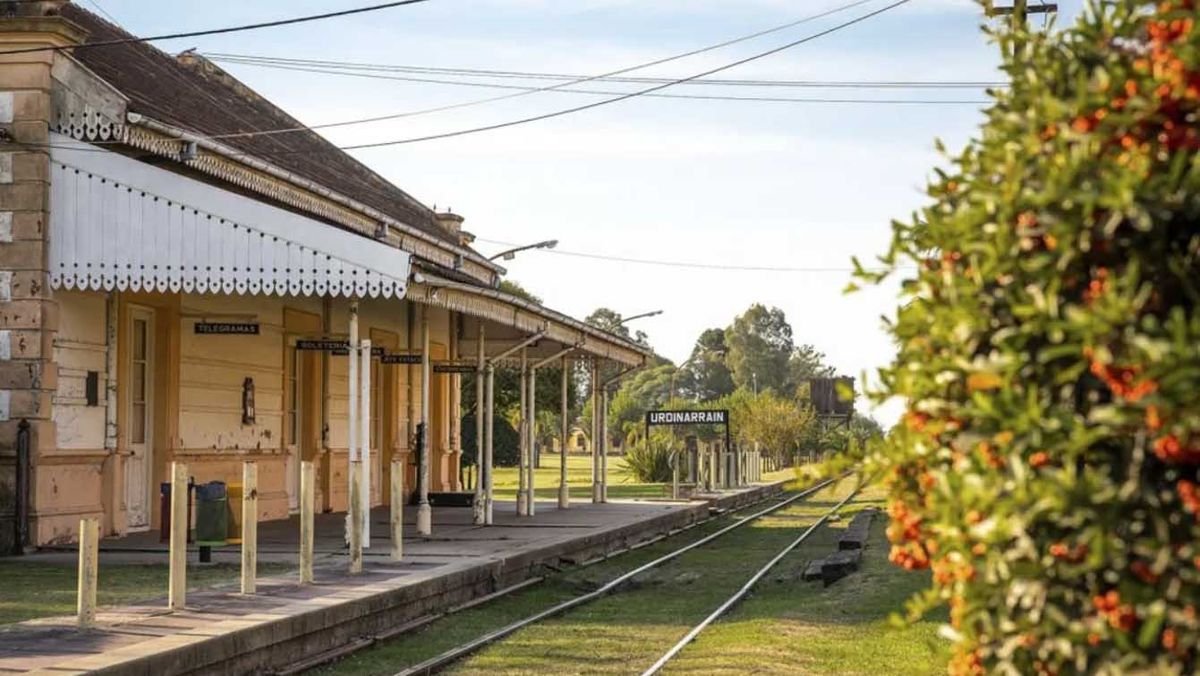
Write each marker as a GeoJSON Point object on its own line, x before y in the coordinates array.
{"type": "Point", "coordinates": [455, 367]}
{"type": "Point", "coordinates": [324, 345]}
{"type": "Point", "coordinates": [227, 328]}
{"type": "Point", "coordinates": [338, 348]}
{"type": "Point", "coordinates": [409, 359]}
{"type": "Point", "coordinates": [656, 418]}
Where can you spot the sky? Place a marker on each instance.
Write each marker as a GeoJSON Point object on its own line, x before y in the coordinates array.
{"type": "Point", "coordinates": [794, 185]}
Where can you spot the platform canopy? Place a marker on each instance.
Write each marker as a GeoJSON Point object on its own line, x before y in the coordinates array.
{"type": "Point", "coordinates": [119, 223]}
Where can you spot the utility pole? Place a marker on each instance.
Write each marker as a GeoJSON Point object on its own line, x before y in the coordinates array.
{"type": "Point", "coordinates": [1020, 11]}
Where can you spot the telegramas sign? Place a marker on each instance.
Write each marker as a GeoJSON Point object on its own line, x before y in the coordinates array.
{"type": "Point", "coordinates": [687, 418]}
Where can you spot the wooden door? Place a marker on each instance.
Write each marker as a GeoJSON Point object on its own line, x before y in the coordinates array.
{"type": "Point", "coordinates": [139, 414]}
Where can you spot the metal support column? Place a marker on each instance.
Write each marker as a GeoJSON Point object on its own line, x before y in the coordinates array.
{"type": "Point", "coordinates": [564, 490]}
{"type": "Point", "coordinates": [523, 440]}
{"type": "Point", "coordinates": [531, 450]}
{"type": "Point", "coordinates": [352, 427]}
{"type": "Point", "coordinates": [424, 511]}
{"type": "Point", "coordinates": [595, 431]}
{"type": "Point", "coordinates": [480, 502]}
{"type": "Point", "coordinates": [489, 410]}
{"type": "Point", "coordinates": [604, 444]}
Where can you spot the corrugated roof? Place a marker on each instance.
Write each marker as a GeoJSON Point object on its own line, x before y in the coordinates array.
{"type": "Point", "coordinates": [192, 93]}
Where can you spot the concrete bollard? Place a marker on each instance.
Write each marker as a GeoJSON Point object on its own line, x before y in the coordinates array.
{"type": "Point", "coordinates": [249, 527]}
{"type": "Point", "coordinates": [397, 519]}
{"type": "Point", "coordinates": [89, 563]}
{"type": "Point", "coordinates": [307, 513]}
{"type": "Point", "coordinates": [177, 584]}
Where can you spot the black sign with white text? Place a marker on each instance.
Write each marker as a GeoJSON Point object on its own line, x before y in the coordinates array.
{"type": "Point", "coordinates": [687, 418]}
{"type": "Point", "coordinates": [455, 367]}
{"type": "Point", "coordinates": [401, 359]}
{"type": "Point", "coordinates": [227, 328]}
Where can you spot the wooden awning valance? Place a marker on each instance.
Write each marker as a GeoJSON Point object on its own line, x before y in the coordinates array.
{"type": "Point", "coordinates": [118, 223]}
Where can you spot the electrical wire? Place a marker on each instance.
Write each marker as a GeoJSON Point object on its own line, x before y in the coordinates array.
{"type": "Point", "coordinates": [218, 31]}
{"type": "Point", "coordinates": [514, 95]}
{"type": "Point", "coordinates": [625, 97]}
{"type": "Point", "coordinates": [529, 75]}
{"type": "Point", "coordinates": [675, 264]}
{"type": "Point", "coordinates": [591, 92]}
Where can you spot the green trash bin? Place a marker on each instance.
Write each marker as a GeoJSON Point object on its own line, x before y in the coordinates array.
{"type": "Point", "coordinates": [212, 512]}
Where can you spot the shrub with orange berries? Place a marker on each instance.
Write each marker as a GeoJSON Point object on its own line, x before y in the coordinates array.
{"type": "Point", "coordinates": [1047, 471]}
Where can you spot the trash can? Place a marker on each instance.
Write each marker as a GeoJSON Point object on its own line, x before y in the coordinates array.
{"type": "Point", "coordinates": [211, 513]}
{"type": "Point", "coordinates": [233, 535]}
{"type": "Point", "coordinates": [164, 510]}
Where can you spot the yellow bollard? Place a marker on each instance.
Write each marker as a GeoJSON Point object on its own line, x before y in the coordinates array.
{"type": "Point", "coordinates": [177, 586]}
{"type": "Point", "coordinates": [249, 527]}
{"type": "Point", "coordinates": [397, 509]}
{"type": "Point", "coordinates": [89, 562]}
{"type": "Point", "coordinates": [307, 510]}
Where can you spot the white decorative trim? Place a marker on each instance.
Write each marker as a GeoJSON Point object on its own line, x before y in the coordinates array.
{"type": "Point", "coordinates": [6, 226]}
{"type": "Point", "coordinates": [6, 168]}
{"type": "Point", "coordinates": [7, 107]}
{"type": "Point", "coordinates": [5, 345]}
{"type": "Point", "coordinates": [5, 285]}
{"type": "Point", "coordinates": [116, 223]}
{"type": "Point", "coordinates": [5, 404]}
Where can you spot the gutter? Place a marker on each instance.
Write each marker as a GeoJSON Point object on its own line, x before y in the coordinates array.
{"type": "Point", "coordinates": [284, 175]}
{"type": "Point", "coordinates": [438, 282]}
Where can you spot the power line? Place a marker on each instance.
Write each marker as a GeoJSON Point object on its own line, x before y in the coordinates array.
{"type": "Point", "coordinates": [351, 66]}
{"type": "Point", "coordinates": [572, 90]}
{"type": "Point", "coordinates": [220, 31]}
{"type": "Point", "coordinates": [674, 264]}
{"type": "Point", "coordinates": [503, 97]}
{"type": "Point", "coordinates": [624, 97]}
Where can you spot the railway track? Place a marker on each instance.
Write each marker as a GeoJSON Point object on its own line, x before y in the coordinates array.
{"type": "Point", "coordinates": [449, 657]}
{"type": "Point", "coordinates": [741, 593]}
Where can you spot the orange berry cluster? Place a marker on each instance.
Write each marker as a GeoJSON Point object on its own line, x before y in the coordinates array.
{"type": "Point", "coordinates": [1119, 615]}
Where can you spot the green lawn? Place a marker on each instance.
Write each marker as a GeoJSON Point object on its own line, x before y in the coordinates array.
{"type": "Point", "coordinates": [48, 589]}
{"type": "Point", "coordinates": [786, 627]}
{"type": "Point", "coordinates": [621, 484]}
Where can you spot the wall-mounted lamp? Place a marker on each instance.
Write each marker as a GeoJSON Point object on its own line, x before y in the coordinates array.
{"type": "Point", "coordinates": [248, 415]}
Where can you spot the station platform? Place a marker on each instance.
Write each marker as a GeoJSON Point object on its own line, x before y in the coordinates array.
{"type": "Point", "coordinates": [286, 626]}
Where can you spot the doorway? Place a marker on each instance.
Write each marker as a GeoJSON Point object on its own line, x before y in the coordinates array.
{"type": "Point", "coordinates": [139, 411]}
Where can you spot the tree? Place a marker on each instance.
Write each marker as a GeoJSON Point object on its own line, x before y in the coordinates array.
{"type": "Point", "coordinates": [760, 345]}
{"type": "Point", "coordinates": [1049, 353]}
{"type": "Point", "coordinates": [804, 364]}
{"type": "Point", "coordinates": [706, 376]}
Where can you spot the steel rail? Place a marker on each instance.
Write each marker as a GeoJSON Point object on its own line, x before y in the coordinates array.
{"type": "Point", "coordinates": [745, 589]}
{"type": "Point", "coordinates": [437, 662]}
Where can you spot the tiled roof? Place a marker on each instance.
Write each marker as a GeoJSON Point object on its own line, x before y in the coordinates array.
{"type": "Point", "coordinates": [192, 93]}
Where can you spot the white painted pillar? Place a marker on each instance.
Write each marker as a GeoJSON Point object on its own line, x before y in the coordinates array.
{"type": "Point", "coordinates": [352, 417]}
{"type": "Point", "coordinates": [531, 445]}
{"type": "Point", "coordinates": [424, 511]}
{"type": "Point", "coordinates": [523, 441]}
{"type": "Point", "coordinates": [564, 489]}
{"type": "Point", "coordinates": [489, 410]}
{"type": "Point", "coordinates": [595, 432]}
{"type": "Point", "coordinates": [364, 436]}
{"type": "Point", "coordinates": [604, 444]}
{"type": "Point", "coordinates": [480, 504]}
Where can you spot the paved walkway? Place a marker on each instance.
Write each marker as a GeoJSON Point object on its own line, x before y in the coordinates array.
{"type": "Point", "coordinates": [460, 561]}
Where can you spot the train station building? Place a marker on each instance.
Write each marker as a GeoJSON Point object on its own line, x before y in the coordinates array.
{"type": "Point", "coordinates": [187, 274]}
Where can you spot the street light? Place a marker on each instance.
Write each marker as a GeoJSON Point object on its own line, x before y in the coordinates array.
{"type": "Point", "coordinates": [641, 316]}
{"type": "Point", "coordinates": [512, 253]}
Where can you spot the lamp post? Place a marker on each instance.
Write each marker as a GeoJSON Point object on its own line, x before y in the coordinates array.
{"type": "Point", "coordinates": [512, 253]}
{"type": "Point", "coordinates": [641, 316]}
